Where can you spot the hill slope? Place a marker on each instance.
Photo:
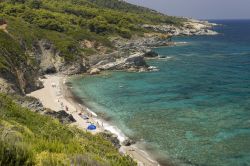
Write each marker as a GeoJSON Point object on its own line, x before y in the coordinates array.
{"type": "Point", "coordinates": [53, 35]}
{"type": "Point", "coordinates": [25, 140]}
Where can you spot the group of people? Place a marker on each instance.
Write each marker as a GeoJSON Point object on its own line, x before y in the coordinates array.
{"type": "Point", "coordinates": [66, 108]}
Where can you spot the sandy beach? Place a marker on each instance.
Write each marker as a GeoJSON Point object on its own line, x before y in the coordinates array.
{"type": "Point", "coordinates": [57, 96]}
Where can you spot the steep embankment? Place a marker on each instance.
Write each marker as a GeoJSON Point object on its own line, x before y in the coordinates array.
{"type": "Point", "coordinates": [25, 140]}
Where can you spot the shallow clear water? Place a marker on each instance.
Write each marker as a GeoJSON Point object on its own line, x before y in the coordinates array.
{"type": "Point", "coordinates": [196, 109]}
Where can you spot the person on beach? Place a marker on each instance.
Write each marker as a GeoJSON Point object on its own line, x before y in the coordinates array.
{"type": "Point", "coordinates": [62, 105]}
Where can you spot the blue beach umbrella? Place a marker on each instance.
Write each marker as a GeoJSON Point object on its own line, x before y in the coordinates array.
{"type": "Point", "coordinates": [91, 127]}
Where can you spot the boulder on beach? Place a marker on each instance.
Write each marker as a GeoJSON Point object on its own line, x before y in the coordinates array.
{"type": "Point", "coordinates": [150, 54]}
{"type": "Point", "coordinates": [62, 116]}
{"type": "Point", "coordinates": [95, 71]}
{"type": "Point", "coordinates": [128, 142]}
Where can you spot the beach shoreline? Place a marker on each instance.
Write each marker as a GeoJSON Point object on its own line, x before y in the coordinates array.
{"type": "Point", "coordinates": [57, 95]}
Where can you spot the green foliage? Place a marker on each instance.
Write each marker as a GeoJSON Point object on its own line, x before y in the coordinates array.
{"type": "Point", "coordinates": [35, 4]}
{"type": "Point", "coordinates": [28, 138]}
{"type": "Point", "coordinates": [66, 23]}
{"type": "Point", "coordinates": [14, 153]}
{"type": "Point", "coordinates": [11, 54]}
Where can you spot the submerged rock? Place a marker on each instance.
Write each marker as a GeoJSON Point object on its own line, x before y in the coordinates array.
{"type": "Point", "coordinates": [151, 54]}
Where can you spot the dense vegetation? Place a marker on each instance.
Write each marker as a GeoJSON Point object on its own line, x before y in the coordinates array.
{"type": "Point", "coordinates": [13, 59]}
{"type": "Point", "coordinates": [67, 22]}
{"type": "Point", "coordinates": [25, 140]}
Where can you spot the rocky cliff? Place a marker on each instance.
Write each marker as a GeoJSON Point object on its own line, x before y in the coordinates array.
{"type": "Point", "coordinates": [127, 54]}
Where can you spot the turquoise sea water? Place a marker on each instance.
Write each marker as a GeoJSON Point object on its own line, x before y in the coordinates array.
{"type": "Point", "coordinates": [195, 110]}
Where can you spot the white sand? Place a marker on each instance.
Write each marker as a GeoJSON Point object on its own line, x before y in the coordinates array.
{"type": "Point", "coordinates": [56, 97]}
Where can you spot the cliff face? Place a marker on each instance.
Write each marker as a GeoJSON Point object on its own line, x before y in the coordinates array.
{"type": "Point", "coordinates": [20, 67]}
{"type": "Point", "coordinates": [17, 71]}
{"type": "Point", "coordinates": [50, 61]}
{"type": "Point", "coordinates": [189, 27]}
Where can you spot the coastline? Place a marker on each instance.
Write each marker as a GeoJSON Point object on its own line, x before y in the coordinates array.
{"type": "Point", "coordinates": [53, 97]}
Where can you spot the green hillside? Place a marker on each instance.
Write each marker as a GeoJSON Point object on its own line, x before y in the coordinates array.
{"type": "Point", "coordinates": [66, 25]}
{"type": "Point", "coordinates": [67, 22]}
{"type": "Point", "coordinates": [28, 138]}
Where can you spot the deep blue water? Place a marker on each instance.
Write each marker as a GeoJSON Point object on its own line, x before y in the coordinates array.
{"type": "Point", "coordinates": [195, 110]}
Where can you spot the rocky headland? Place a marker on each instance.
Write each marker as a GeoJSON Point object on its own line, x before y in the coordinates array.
{"type": "Point", "coordinates": [126, 54]}
{"type": "Point", "coordinates": [130, 54]}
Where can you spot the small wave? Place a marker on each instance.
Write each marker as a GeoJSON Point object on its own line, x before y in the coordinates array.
{"type": "Point", "coordinates": [163, 57]}
{"type": "Point", "coordinates": [113, 129]}
{"type": "Point", "coordinates": [169, 57]}
{"type": "Point", "coordinates": [94, 114]}
{"type": "Point", "coordinates": [181, 43]}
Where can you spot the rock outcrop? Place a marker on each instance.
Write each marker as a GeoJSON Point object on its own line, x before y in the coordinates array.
{"type": "Point", "coordinates": [31, 103]}
{"type": "Point", "coordinates": [128, 142]}
{"type": "Point", "coordinates": [94, 71]}
{"type": "Point", "coordinates": [190, 27]}
{"type": "Point", "coordinates": [112, 138]}
{"type": "Point", "coordinates": [50, 61]}
{"type": "Point", "coordinates": [151, 54]}
{"type": "Point", "coordinates": [135, 62]}
{"type": "Point", "coordinates": [63, 116]}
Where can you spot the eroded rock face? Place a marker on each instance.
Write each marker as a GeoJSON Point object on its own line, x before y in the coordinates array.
{"type": "Point", "coordinates": [73, 68]}
{"type": "Point", "coordinates": [190, 27]}
{"type": "Point", "coordinates": [46, 56]}
{"type": "Point", "coordinates": [139, 44]}
{"type": "Point", "coordinates": [50, 61]}
{"type": "Point", "coordinates": [133, 62]}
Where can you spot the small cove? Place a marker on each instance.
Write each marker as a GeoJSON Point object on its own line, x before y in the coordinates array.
{"type": "Point", "coordinates": [196, 109]}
